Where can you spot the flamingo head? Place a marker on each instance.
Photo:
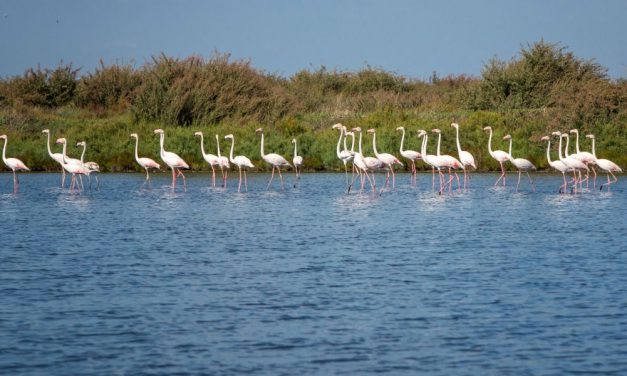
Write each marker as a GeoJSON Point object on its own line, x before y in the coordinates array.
{"type": "Point", "coordinates": [293, 140]}
{"type": "Point", "coordinates": [337, 126]}
{"type": "Point", "coordinates": [400, 129]}
{"type": "Point", "coordinates": [134, 135]}
{"type": "Point", "coordinates": [4, 137]}
{"type": "Point", "coordinates": [421, 133]}
{"type": "Point", "coordinates": [556, 133]}
{"type": "Point", "coordinates": [158, 131]}
{"type": "Point", "coordinates": [81, 143]}
{"type": "Point", "coordinates": [591, 136]}
{"type": "Point", "coordinates": [507, 137]}
{"type": "Point", "coordinates": [61, 141]}
{"type": "Point", "coordinates": [574, 131]}
{"type": "Point", "coordinates": [198, 133]}
{"type": "Point", "coordinates": [545, 138]}
{"type": "Point", "coordinates": [350, 134]}
{"type": "Point", "coordinates": [357, 129]}
{"type": "Point", "coordinates": [436, 130]}
{"type": "Point", "coordinates": [564, 135]}
{"type": "Point", "coordinates": [371, 130]}
{"type": "Point", "coordinates": [455, 125]}
{"type": "Point", "coordinates": [228, 136]}
{"type": "Point", "coordinates": [259, 130]}
{"type": "Point", "coordinates": [487, 128]}
{"type": "Point", "coordinates": [47, 131]}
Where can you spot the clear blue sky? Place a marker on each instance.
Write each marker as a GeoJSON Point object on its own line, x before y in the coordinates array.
{"type": "Point", "coordinates": [412, 38]}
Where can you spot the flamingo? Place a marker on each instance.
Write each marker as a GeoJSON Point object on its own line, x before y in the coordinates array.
{"type": "Point", "coordinates": [224, 163]}
{"type": "Point", "coordinates": [571, 162]}
{"type": "Point", "coordinates": [387, 159]}
{"type": "Point", "coordinates": [240, 161]}
{"type": "Point", "coordinates": [498, 155]}
{"type": "Point", "coordinates": [363, 164]}
{"type": "Point", "coordinates": [344, 155]}
{"type": "Point", "coordinates": [558, 165]}
{"type": "Point", "coordinates": [210, 158]}
{"type": "Point", "coordinates": [146, 163]}
{"type": "Point", "coordinates": [297, 160]}
{"type": "Point", "coordinates": [411, 155]}
{"type": "Point", "coordinates": [585, 157]}
{"type": "Point", "coordinates": [71, 165]}
{"type": "Point", "coordinates": [173, 161]}
{"type": "Point", "coordinates": [604, 164]}
{"type": "Point", "coordinates": [13, 163]}
{"type": "Point", "coordinates": [449, 161]}
{"type": "Point", "coordinates": [274, 159]}
{"type": "Point", "coordinates": [521, 164]}
{"type": "Point", "coordinates": [464, 157]}
{"type": "Point", "coordinates": [434, 161]}
{"type": "Point", "coordinates": [58, 157]}
{"type": "Point", "coordinates": [92, 166]}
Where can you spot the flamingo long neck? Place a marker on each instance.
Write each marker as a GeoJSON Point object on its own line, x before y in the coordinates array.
{"type": "Point", "coordinates": [548, 152]}
{"type": "Point", "coordinates": [64, 152]}
{"type": "Point", "coordinates": [594, 154]}
{"type": "Point", "coordinates": [83, 153]}
{"type": "Point", "coordinates": [510, 148]}
{"type": "Point", "coordinates": [439, 140]}
{"type": "Point", "coordinates": [360, 144]}
{"type": "Point", "coordinates": [402, 139]}
{"type": "Point", "coordinates": [424, 145]}
{"type": "Point", "coordinates": [232, 147]}
{"type": "Point", "coordinates": [577, 142]}
{"type": "Point", "coordinates": [262, 153]}
{"type": "Point", "coordinates": [345, 147]}
{"type": "Point", "coordinates": [218, 143]}
{"type": "Point", "coordinates": [339, 141]}
{"type": "Point", "coordinates": [202, 145]}
{"type": "Point", "coordinates": [566, 148]}
{"type": "Point", "coordinates": [459, 147]}
{"type": "Point", "coordinates": [4, 150]}
{"type": "Point", "coordinates": [49, 151]}
{"type": "Point", "coordinates": [374, 143]}
{"type": "Point", "coordinates": [352, 142]}
{"type": "Point", "coordinates": [490, 142]}
{"type": "Point", "coordinates": [161, 140]}
{"type": "Point", "coordinates": [560, 150]}
{"type": "Point", "coordinates": [295, 150]}
{"type": "Point", "coordinates": [136, 147]}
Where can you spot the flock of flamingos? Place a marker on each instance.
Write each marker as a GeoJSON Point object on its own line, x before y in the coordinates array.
{"type": "Point", "coordinates": [363, 167]}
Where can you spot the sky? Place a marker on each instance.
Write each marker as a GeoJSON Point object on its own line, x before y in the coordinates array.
{"type": "Point", "coordinates": [411, 38]}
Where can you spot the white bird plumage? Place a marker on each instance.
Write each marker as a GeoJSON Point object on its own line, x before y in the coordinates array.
{"type": "Point", "coordinates": [240, 161]}
{"type": "Point", "coordinates": [144, 162]}
{"type": "Point", "coordinates": [521, 164]}
{"type": "Point", "coordinates": [171, 159]}
{"type": "Point", "coordinates": [274, 159]}
{"type": "Point", "coordinates": [606, 165]}
{"type": "Point", "coordinates": [211, 159]}
{"type": "Point", "coordinates": [498, 155]}
{"type": "Point", "coordinates": [13, 164]}
{"type": "Point", "coordinates": [464, 157]}
{"type": "Point", "coordinates": [410, 155]}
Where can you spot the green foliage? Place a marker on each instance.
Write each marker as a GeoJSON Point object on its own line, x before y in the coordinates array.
{"type": "Point", "coordinates": [41, 87]}
{"type": "Point", "coordinates": [109, 87]}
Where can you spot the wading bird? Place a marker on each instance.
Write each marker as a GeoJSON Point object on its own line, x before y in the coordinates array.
{"type": "Point", "coordinates": [297, 160]}
{"type": "Point", "coordinates": [146, 163]}
{"type": "Point", "coordinates": [72, 166]}
{"type": "Point", "coordinates": [92, 166]}
{"type": "Point", "coordinates": [12, 163]}
{"type": "Point", "coordinates": [224, 163]}
{"type": "Point", "coordinates": [240, 161]}
{"type": "Point", "coordinates": [558, 165]}
{"type": "Point", "coordinates": [386, 158]}
{"type": "Point", "coordinates": [606, 165]}
{"type": "Point", "coordinates": [410, 155]}
{"type": "Point", "coordinates": [464, 157]}
{"type": "Point", "coordinates": [573, 164]}
{"type": "Point", "coordinates": [585, 157]}
{"type": "Point", "coordinates": [275, 160]}
{"type": "Point", "coordinates": [209, 158]}
{"type": "Point", "coordinates": [449, 161]}
{"type": "Point", "coordinates": [498, 155]}
{"type": "Point", "coordinates": [521, 164]}
{"type": "Point", "coordinates": [343, 155]}
{"type": "Point", "coordinates": [173, 161]}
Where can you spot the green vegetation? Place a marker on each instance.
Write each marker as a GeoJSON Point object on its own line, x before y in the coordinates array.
{"type": "Point", "coordinates": [543, 89]}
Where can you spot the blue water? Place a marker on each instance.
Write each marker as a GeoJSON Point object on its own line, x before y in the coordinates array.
{"type": "Point", "coordinates": [126, 280]}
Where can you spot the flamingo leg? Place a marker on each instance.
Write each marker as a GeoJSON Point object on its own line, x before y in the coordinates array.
{"type": "Point", "coordinates": [608, 180]}
{"type": "Point", "coordinates": [245, 181]}
{"type": "Point", "coordinates": [173, 179]}
{"type": "Point", "coordinates": [502, 175]}
{"type": "Point", "coordinates": [517, 184]}
{"type": "Point", "coordinates": [239, 186]}
{"type": "Point", "coordinates": [346, 172]}
{"type": "Point", "coordinates": [280, 177]}
{"type": "Point", "coordinates": [594, 185]}
{"type": "Point", "coordinates": [183, 176]}
{"type": "Point", "coordinates": [393, 177]}
{"type": "Point", "coordinates": [271, 177]}
{"type": "Point", "coordinates": [62, 177]}
{"type": "Point", "coordinates": [533, 186]}
{"type": "Point", "coordinates": [433, 178]}
{"type": "Point", "coordinates": [349, 186]}
{"type": "Point", "coordinates": [213, 177]}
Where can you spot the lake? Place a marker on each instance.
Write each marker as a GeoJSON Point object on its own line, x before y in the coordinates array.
{"type": "Point", "coordinates": [129, 280]}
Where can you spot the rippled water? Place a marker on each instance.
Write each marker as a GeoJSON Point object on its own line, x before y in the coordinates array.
{"type": "Point", "coordinates": [127, 280]}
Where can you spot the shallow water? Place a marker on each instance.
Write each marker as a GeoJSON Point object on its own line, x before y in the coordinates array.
{"type": "Point", "coordinates": [128, 280]}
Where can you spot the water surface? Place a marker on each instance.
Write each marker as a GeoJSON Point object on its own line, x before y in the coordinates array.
{"type": "Point", "coordinates": [128, 280]}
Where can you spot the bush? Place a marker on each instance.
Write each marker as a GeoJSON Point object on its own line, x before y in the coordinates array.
{"type": "Point", "coordinates": [109, 87]}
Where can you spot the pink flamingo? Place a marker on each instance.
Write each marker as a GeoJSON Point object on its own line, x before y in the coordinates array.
{"type": "Point", "coordinates": [12, 163]}
{"type": "Point", "coordinates": [606, 165]}
{"type": "Point", "coordinates": [572, 163]}
{"type": "Point", "coordinates": [411, 155]}
{"type": "Point", "coordinates": [224, 163]}
{"type": "Point", "coordinates": [585, 157]}
{"type": "Point", "coordinates": [145, 163]}
{"type": "Point", "coordinates": [436, 162]}
{"type": "Point", "coordinates": [449, 161]}
{"type": "Point", "coordinates": [558, 165]}
{"type": "Point", "coordinates": [343, 155]}
{"type": "Point", "coordinates": [498, 155]}
{"type": "Point", "coordinates": [72, 166]}
{"type": "Point", "coordinates": [173, 161]}
{"type": "Point", "coordinates": [209, 158]}
{"type": "Point", "coordinates": [363, 165]}
{"type": "Point", "coordinates": [386, 158]}
{"type": "Point", "coordinates": [92, 166]}
{"type": "Point", "coordinates": [58, 157]}
{"type": "Point", "coordinates": [240, 161]}
{"type": "Point", "coordinates": [275, 160]}
{"type": "Point", "coordinates": [297, 160]}
{"type": "Point", "coordinates": [464, 157]}
{"type": "Point", "coordinates": [521, 164]}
